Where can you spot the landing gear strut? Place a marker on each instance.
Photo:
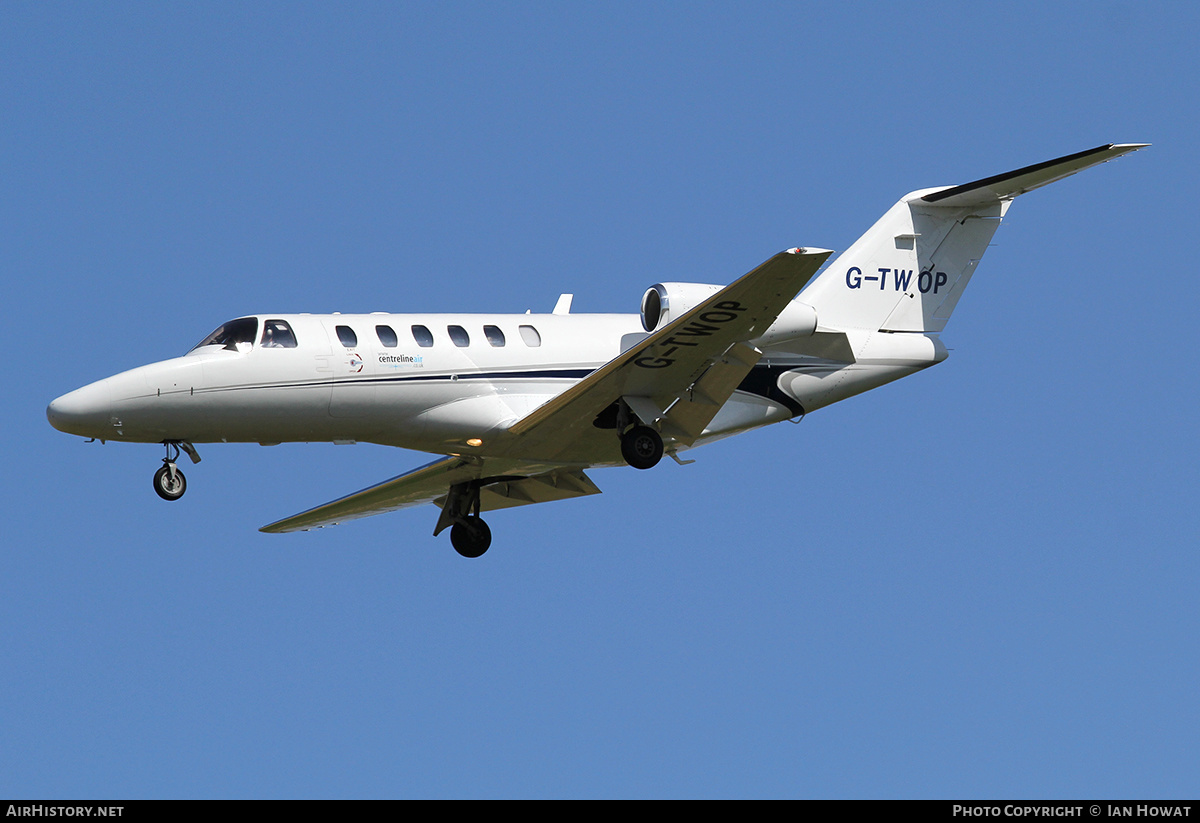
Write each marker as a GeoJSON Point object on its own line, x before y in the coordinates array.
{"type": "Point", "coordinates": [169, 482]}
{"type": "Point", "coordinates": [469, 535]}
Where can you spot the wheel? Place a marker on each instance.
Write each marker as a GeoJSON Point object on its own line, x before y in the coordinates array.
{"type": "Point", "coordinates": [167, 489]}
{"type": "Point", "coordinates": [471, 538]}
{"type": "Point", "coordinates": [641, 447]}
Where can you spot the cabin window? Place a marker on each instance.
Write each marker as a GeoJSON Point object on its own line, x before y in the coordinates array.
{"type": "Point", "coordinates": [229, 335]}
{"type": "Point", "coordinates": [387, 336]}
{"type": "Point", "coordinates": [531, 337]}
{"type": "Point", "coordinates": [494, 335]}
{"type": "Point", "coordinates": [458, 336]}
{"type": "Point", "coordinates": [423, 336]}
{"type": "Point", "coordinates": [347, 336]}
{"type": "Point", "coordinates": [277, 334]}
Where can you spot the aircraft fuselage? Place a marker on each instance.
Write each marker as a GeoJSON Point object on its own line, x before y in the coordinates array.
{"type": "Point", "coordinates": [445, 383]}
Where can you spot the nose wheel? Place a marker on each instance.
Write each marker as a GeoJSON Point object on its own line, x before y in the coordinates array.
{"type": "Point", "coordinates": [169, 482]}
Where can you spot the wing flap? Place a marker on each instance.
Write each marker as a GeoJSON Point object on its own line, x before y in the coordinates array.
{"type": "Point", "coordinates": [523, 491]}
{"type": "Point", "coordinates": [685, 417]}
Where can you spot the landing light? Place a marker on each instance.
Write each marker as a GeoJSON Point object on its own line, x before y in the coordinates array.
{"type": "Point", "coordinates": [474, 441]}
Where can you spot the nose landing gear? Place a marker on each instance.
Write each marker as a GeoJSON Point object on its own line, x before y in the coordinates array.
{"type": "Point", "coordinates": [169, 482]}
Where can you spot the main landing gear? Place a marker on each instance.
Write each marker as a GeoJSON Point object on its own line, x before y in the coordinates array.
{"type": "Point", "coordinates": [469, 535]}
{"type": "Point", "coordinates": [169, 482]}
{"type": "Point", "coordinates": [642, 447]}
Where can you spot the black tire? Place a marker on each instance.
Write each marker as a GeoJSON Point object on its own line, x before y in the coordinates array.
{"type": "Point", "coordinates": [472, 538]}
{"type": "Point", "coordinates": [641, 447]}
{"type": "Point", "coordinates": [165, 488]}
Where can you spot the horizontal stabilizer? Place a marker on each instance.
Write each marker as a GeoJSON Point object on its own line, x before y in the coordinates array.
{"type": "Point", "coordinates": [1010, 184]}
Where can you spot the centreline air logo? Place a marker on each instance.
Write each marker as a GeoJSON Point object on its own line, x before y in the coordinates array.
{"type": "Point", "coordinates": [401, 361]}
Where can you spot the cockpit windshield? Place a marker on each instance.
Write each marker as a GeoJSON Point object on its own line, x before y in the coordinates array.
{"type": "Point", "coordinates": [229, 335]}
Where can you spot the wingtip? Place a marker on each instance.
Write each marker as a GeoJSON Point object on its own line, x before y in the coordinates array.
{"type": "Point", "coordinates": [809, 250]}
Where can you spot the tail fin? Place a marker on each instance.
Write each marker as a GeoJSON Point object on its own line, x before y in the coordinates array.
{"type": "Point", "coordinates": [908, 271]}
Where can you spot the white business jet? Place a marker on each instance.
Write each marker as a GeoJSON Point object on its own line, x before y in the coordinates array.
{"type": "Point", "coordinates": [520, 404]}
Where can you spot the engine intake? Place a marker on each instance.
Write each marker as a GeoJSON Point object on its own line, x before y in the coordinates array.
{"type": "Point", "coordinates": [663, 302]}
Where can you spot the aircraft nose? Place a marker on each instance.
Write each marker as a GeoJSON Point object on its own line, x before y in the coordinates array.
{"type": "Point", "coordinates": [84, 411]}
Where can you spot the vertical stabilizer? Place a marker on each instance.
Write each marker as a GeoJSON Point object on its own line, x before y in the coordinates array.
{"type": "Point", "coordinates": [907, 273]}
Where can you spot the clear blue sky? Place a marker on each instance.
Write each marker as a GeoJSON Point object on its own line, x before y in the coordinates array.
{"type": "Point", "coordinates": [980, 581]}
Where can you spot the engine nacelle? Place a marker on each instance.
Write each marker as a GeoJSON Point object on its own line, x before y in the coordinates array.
{"type": "Point", "coordinates": [796, 320]}
{"type": "Point", "coordinates": [663, 302]}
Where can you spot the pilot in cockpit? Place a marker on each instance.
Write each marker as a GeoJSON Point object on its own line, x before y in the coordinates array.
{"type": "Point", "coordinates": [277, 334]}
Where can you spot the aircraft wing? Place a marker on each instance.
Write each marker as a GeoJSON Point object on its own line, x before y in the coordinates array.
{"type": "Point", "coordinates": [681, 375]}
{"type": "Point", "coordinates": [430, 483]}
